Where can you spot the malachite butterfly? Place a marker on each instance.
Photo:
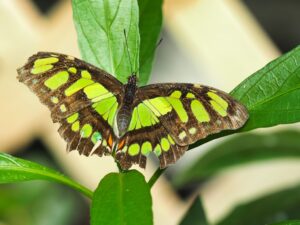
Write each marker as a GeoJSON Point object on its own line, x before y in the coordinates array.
{"type": "Point", "coordinates": [100, 115]}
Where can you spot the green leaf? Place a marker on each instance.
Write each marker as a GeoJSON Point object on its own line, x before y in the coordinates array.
{"type": "Point", "coordinates": [122, 198]}
{"type": "Point", "coordinates": [275, 207]}
{"type": "Point", "coordinates": [195, 215]}
{"type": "Point", "coordinates": [13, 169]}
{"type": "Point", "coordinates": [240, 150]}
{"type": "Point", "coordinates": [288, 222]}
{"type": "Point", "coordinates": [150, 26]}
{"type": "Point", "coordinates": [100, 26]}
{"type": "Point", "coordinates": [271, 95]}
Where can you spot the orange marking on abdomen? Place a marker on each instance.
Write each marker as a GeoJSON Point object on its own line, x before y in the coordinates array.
{"type": "Point", "coordinates": [121, 144]}
{"type": "Point", "coordinates": [110, 141]}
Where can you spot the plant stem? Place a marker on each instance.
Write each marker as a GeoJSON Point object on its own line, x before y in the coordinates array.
{"type": "Point", "coordinates": [84, 190]}
{"type": "Point", "coordinates": [119, 167]}
{"type": "Point", "coordinates": [155, 176]}
{"type": "Point", "coordinates": [116, 161]}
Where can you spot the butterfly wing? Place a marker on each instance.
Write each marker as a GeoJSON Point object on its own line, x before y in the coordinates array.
{"type": "Point", "coordinates": [81, 97]}
{"type": "Point", "coordinates": [167, 118]}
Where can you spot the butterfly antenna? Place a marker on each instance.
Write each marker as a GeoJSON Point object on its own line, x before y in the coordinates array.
{"type": "Point", "coordinates": [126, 43]}
{"type": "Point", "coordinates": [148, 55]}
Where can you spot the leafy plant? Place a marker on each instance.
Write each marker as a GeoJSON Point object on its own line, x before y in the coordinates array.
{"type": "Point", "coordinates": [271, 96]}
{"type": "Point", "coordinates": [265, 210]}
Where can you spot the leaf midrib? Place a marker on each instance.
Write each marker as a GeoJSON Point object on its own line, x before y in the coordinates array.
{"type": "Point", "coordinates": [84, 34]}
{"type": "Point", "coordinates": [254, 85]}
{"type": "Point", "coordinates": [271, 98]}
{"type": "Point", "coordinates": [108, 34]}
{"type": "Point", "coordinates": [121, 199]}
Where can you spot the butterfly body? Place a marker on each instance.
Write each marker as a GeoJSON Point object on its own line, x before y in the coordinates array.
{"type": "Point", "coordinates": [100, 115]}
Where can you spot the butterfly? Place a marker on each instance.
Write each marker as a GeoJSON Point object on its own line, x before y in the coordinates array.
{"type": "Point", "coordinates": [100, 115]}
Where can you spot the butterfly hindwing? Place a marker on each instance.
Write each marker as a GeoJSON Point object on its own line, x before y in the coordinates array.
{"type": "Point", "coordinates": [173, 116]}
{"type": "Point", "coordinates": [92, 139]}
{"type": "Point", "coordinates": [81, 97]}
{"type": "Point", "coordinates": [138, 144]}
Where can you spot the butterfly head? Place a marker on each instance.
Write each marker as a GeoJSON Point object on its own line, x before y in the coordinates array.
{"type": "Point", "coordinates": [132, 80]}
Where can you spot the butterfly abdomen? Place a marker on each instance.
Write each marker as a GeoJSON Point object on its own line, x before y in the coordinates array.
{"type": "Point", "coordinates": [125, 112]}
{"type": "Point", "coordinates": [123, 119]}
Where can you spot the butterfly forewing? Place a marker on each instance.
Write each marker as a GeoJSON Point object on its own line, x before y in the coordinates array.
{"type": "Point", "coordinates": [81, 97]}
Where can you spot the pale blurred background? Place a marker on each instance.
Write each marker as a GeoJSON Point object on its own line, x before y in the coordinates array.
{"type": "Point", "coordinates": [214, 42]}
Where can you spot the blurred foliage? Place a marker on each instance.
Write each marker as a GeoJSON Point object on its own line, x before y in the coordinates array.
{"type": "Point", "coordinates": [288, 222]}
{"type": "Point", "coordinates": [275, 207]}
{"type": "Point", "coordinates": [195, 215]}
{"type": "Point", "coordinates": [239, 150]}
{"type": "Point", "coordinates": [282, 206]}
{"type": "Point", "coordinates": [39, 203]}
